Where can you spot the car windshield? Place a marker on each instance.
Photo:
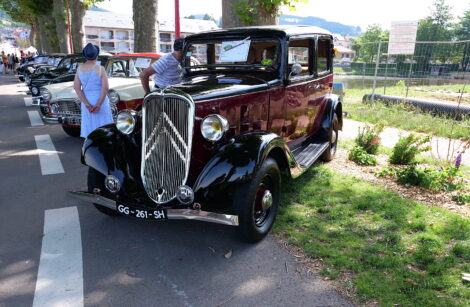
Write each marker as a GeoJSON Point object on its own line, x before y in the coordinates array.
{"type": "Point", "coordinates": [242, 53]}
{"type": "Point", "coordinates": [128, 67]}
{"type": "Point", "coordinates": [41, 60]}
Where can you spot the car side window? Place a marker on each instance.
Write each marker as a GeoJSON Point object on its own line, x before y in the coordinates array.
{"type": "Point", "coordinates": [323, 56]}
{"type": "Point", "coordinates": [299, 52]}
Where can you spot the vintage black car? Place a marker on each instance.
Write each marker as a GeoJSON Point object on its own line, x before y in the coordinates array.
{"type": "Point", "coordinates": [39, 63]}
{"type": "Point", "coordinates": [64, 72]}
{"type": "Point", "coordinates": [255, 105]}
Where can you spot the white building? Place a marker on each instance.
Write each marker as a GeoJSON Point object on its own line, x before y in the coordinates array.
{"type": "Point", "coordinates": [114, 33]}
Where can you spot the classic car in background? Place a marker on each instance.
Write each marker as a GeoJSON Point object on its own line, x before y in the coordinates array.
{"type": "Point", "coordinates": [65, 70]}
{"type": "Point", "coordinates": [39, 63]}
{"type": "Point", "coordinates": [258, 105]}
{"type": "Point", "coordinates": [125, 91]}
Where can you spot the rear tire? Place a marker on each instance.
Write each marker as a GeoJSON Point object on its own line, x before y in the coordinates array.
{"type": "Point", "coordinates": [256, 202]}
{"type": "Point", "coordinates": [332, 135]}
{"type": "Point", "coordinates": [96, 181]}
{"type": "Point", "coordinates": [72, 131]}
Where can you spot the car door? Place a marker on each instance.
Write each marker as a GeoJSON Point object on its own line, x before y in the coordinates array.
{"type": "Point", "coordinates": [297, 118]}
{"type": "Point", "coordinates": [322, 83]}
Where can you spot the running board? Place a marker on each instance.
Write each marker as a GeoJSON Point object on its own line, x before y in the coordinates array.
{"type": "Point", "coordinates": [307, 155]}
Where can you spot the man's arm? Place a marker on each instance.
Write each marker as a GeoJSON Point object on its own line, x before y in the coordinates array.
{"type": "Point", "coordinates": [144, 78]}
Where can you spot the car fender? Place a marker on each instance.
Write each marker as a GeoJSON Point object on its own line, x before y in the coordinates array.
{"type": "Point", "coordinates": [333, 106]}
{"type": "Point", "coordinates": [237, 161]}
{"type": "Point", "coordinates": [111, 153]}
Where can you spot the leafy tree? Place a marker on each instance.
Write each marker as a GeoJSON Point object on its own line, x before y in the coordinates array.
{"type": "Point", "coordinates": [237, 13]}
{"type": "Point", "coordinates": [462, 32]}
{"type": "Point", "coordinates": [366, 45]}
{"type": "Point", "coordinates": [436, 27]}
{"type": "Point", "coordinates": [144, 16]}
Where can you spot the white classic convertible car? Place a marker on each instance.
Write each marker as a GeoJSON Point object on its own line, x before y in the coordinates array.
{"type": "Point", "coordinates": [125, 91]}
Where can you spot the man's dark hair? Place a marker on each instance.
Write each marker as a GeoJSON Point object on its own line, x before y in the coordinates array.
{"type": "Point", "coordinates": [178, 44]}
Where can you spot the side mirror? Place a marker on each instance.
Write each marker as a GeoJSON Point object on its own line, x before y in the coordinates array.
{"type": "Point", "coordinates": [295, 70]}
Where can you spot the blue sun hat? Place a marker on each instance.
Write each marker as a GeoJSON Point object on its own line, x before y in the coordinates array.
{"type": "Point", "coordinates": [90, 52]}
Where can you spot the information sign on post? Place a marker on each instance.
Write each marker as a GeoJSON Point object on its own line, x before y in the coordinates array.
{"type": "Point", "coordinates": [402, 37]}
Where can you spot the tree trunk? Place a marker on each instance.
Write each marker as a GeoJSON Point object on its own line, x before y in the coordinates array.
{"type": "Point", "coordinates": [61, 26]}
{"type": "Point", "coordinates": [144, 16]}
{"type": "Point", "coordinates": [33, 34]}
{"type": "Point", "coordinates": [78, 9]}
{"type": "Point", "coordinates": [43, 35]}
{"type": "Point", "coordinates": [229, 17]}
{"type": "Point", "coordinates": [262, 17]}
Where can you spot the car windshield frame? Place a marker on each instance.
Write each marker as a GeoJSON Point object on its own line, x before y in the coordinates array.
{"type": "Point", "coordinates": [273, 67]}
{"type": "Point", "coordinates": [127, 59]}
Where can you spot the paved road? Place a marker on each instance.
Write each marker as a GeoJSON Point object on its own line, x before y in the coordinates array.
{"type": "Point", "coordinates": [57, 251]}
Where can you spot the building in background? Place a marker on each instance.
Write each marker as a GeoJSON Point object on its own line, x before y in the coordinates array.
{"type": "Point", "coordinates": [114, 33]}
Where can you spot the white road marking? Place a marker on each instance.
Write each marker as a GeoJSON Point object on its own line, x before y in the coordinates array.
{"type": "Point", "coordinates": [28, 101]}
{"type": "Point", "coordinates": [48, 156]}
{"type": "Point", "coordinates": [60, 273]}
{"type": "Point", "coordinates": [35, 119]}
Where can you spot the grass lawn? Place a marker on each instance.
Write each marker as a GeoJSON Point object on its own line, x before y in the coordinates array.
{"type": "Point", "coordinates": [401, 118]}
{"type": "Point", "coordinates": [397, 250]}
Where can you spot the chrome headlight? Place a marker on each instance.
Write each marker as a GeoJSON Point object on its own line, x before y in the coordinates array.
{"type": "Point", "coordinates": [125, 122]}
{"type": "Point", "coordinates": [34, 90]}
{"type": "Point", "coordinates": [213, 127]}
{"type": "Point", "coordinates": [113, 96]}
{"type": "Point", "coordinates": [45, 93]}
{"type": "Point", "coordinates": [54, 108]}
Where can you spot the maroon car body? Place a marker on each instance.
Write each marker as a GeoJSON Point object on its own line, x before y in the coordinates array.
{"type": "Point", "coordinates": [214, 147]}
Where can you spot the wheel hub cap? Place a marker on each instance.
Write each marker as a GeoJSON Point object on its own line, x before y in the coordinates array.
{"type": "Point", "coordinates": [333, 137]}
{"type": "Point", "coordinates": [267, 200]}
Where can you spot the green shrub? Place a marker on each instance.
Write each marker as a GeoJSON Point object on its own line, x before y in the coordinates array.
{"type": "Point", "coordinates": [445, 179]}
{"type": "Point", "coordinates": [406, 149]}
{"type": "Point", "coordinates": [360, 156]}
{"type": "Point", "coordinates": [461, 198]}
{"type": "Point", "coordinates": [368, 138]}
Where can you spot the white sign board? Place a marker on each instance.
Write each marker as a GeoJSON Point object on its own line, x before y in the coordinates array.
{"type": "Point", "coordinates": [402, 37]}
{"type": "Point", "coordinates": [142, 62]}
{"type": "Point", "coordinates": [234, 51]}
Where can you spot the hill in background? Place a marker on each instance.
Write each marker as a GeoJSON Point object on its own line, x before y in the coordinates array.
{"type": "Point", "coordinates": [333, 27]}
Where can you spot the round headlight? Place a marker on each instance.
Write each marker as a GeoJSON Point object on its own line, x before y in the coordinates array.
{"type": "Point", "coordinates": [113, 96]}
{"type": "Point", "coordinates": [125, 122]}
{"type": "Point", "coordinates": [213, 127]}
{"type": "Point", "coordinates": [54, 108]}
{"type": "Point", "coordinates": [34, 90]}
{"type": "Point", "coordinates": [46, 94]}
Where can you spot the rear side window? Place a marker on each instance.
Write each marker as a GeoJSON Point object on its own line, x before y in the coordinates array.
{"type": "Point", "coordinates": [323, 56]}
{"type": "Point", "coordinates": [299, 52]}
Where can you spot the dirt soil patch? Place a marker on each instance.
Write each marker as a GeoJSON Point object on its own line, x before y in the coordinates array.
{"type": "Point", "coordinates": [343, 165]}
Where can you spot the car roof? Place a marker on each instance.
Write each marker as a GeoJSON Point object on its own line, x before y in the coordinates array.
{"type": "Point", "coordinates": [281, 31]}
{"type": "Point", "coordinates": [148, 54]}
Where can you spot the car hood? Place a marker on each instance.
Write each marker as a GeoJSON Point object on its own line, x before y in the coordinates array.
{"type": "Point", "coordinates": [52, 73]}
{"type": "Point", "coordinates": [127, 88]}
{"type": "Point", "coordinates": [222, 85]}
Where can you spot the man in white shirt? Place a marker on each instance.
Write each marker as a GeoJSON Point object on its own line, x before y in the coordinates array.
{"type": "Point", "coordinates": [167, 70]}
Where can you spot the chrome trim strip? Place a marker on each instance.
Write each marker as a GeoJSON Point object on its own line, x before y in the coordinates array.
{"type": "Point", "coordinates": [172, 214]}
{"type": "Point", "coordinates": [51, 119]}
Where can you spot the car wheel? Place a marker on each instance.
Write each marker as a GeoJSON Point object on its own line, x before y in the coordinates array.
{"type": "Point", "coordinates": [330, 152]}
{"type": "Point", "coordinates": [256, 202]}
{"type": "Point", "coordinates": [72, 131]}
{"type": "Point", "coordinates": [96, 181]}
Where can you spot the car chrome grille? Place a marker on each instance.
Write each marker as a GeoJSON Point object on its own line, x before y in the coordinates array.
{"type": "Point", "coordinates": [68, 107]}
{"type": "Point", "coordinates": [167, 131]}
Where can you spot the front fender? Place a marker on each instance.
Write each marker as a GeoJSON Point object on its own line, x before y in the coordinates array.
{"type": "Point", "coordinates": [236, 163]}
{"type": "Point", "coordinates": [111, 153]}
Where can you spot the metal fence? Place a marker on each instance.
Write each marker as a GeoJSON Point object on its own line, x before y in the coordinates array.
{"type": "Point", "coordinates": [432, 64]}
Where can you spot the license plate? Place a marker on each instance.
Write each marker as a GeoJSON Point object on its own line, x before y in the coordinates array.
{"type": "Point", "coordinates": [143, 214]}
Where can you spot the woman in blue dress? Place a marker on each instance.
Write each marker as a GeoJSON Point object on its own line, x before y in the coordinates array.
{"type": "Point", "coordinates": [91, 86]}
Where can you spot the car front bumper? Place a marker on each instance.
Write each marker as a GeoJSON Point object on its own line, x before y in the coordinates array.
{"type": "Point", "coordinates": [172, 214]}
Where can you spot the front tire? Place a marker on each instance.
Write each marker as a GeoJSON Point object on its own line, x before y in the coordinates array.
{"type": "Point", "coordinates": [332, 135]}
{"type": "Point", "coordinates": [256, 202]}
{"type": "Point", "coordinates": [72, 131]}
{"type": "Point", "coordinates": [96, 181]}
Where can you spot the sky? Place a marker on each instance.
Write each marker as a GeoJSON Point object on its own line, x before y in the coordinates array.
{"type": "Point", "coordinates": [356, 13]}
